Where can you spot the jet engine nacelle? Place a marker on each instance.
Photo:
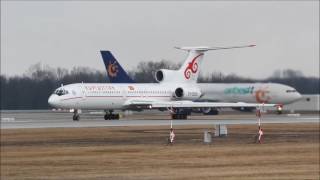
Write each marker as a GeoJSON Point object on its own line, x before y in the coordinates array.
{"type": "Point", "coordinates": [210, 111]}
{"type": "Point", "coordinates": [205, 110]}
{"type": "Point", "coordinates": [165, 75]}
{"type": "Point", "coordinates": [186, 93]}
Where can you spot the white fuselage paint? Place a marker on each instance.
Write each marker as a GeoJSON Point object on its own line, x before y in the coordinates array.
{"type": "Point", "coordinates": [273, 93]}
{"type": "Point", "coordinates": [113, 96]}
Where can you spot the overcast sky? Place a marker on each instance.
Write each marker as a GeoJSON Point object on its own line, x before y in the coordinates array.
{"type": "Point", "coordinates": [71, 33]}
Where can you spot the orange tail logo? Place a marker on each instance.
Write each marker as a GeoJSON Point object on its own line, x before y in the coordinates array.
{"type": "Point", "coordinates": [112, 69]}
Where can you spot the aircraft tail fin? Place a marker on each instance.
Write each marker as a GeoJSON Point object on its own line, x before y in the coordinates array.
{"type": "Point", "coordinates": [191, 66]}
{"type": "Point", "coordinates": [115, 72]}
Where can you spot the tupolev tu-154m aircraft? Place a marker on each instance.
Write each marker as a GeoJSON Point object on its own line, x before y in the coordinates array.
{"type": "Point", "coordinates": [182, 91]}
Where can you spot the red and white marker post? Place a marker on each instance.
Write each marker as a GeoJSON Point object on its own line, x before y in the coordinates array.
{"type": "Point", "coordinates": [260, 131]}
{"type": "Point", "coordinates": [171, 135]}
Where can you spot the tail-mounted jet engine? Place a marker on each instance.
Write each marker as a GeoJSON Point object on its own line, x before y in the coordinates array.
{"type": "Point", "coordinates": [186, 93]}
{"type": "Point", "coordinates": [165, 75]}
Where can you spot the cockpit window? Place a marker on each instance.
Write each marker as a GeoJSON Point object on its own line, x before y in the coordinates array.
{"type": "Point", "coordinates": [61, 92]}
{"type": "Point", "coordinates": [291, 91]}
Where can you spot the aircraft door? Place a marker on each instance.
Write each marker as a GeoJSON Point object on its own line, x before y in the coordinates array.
{"type": "Point", "coordinates": [83, 92]}
{"type": "Point", "coordinates": [124, 92]}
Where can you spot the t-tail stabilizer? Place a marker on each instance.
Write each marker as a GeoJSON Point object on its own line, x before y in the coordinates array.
{"type": "Point", "coordinates": [189, 71]}
{"type": "Point", "coordinates": [115, 72]}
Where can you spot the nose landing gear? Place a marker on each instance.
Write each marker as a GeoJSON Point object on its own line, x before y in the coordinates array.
{"type": "Point", "coordinates": [279, 109]}
{"type": "Point", "coordinates": [76, 115]}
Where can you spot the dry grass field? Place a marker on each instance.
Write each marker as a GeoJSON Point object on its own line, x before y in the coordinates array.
{"type": "Point", "coordinates": [290, 151]}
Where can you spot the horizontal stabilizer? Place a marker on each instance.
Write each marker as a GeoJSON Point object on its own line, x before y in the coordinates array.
{"type": "Point", "coordinates": [206, 48]}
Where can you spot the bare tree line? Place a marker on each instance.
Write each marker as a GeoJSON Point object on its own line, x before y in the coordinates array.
{"type": "Point", "coordinates": [32, 89]}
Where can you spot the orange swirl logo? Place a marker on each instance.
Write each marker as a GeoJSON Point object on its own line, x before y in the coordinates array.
{"type": "Point", "coordinates": [112, 69]}
{"type": "Point", "coordinates": [131, 88]}
{"type": "Point", "coordinates": [262, 96]}
{"type": "Point", "coordinates": [192, 67]}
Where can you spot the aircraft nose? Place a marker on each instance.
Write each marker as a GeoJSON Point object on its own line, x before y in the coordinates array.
{"type": "Point", "coordinates": [53, 100]}
{"type": "Point", "coordinates": [298, 96]}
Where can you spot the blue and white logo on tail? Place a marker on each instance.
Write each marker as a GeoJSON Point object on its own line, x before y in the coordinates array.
{"type": "Point", "coordinates": [116, 73]}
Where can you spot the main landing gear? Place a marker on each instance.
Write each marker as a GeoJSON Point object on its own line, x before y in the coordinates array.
{"type": "Point", "coordinates": [76, 115]}
{"type": "Point", "coordinates": [110, 116]}
{"type": "Point", "coordinates": [177, 113]}
{"type": "Point", "coordinates": [179, 116]}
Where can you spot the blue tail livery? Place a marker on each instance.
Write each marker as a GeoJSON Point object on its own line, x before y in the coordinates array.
{"type": "Point", "coordinates": [115, 72]}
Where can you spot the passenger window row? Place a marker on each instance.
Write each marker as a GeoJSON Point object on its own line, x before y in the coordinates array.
{"type": "Point", "coordinates": [149, 92]}
{"type": "Point", "coordinates": [291, 91]}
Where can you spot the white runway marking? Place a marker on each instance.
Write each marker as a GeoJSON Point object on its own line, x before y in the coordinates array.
{"type": "Point", "coordinates": [42, 120]}
{"type": "Point", "coordinates": [8, 119]}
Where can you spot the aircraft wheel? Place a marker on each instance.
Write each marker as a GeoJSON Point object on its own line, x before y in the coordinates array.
{"type": "Point", "coordinates": [107, 117]}
{"type": "Point", "coordinates": [76, 117]}
{"type": "Point", "coordinates": [179, 116]}
{"type": "Point", "coordinates": [184, 116]}
{"type": "Point", "coordinates": [111, 116]}
{"type": "Point", "coordinates": [212, 112]}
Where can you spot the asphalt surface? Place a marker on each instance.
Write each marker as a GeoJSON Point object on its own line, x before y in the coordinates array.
{"type": "Point", "coordinates": [49, 119]}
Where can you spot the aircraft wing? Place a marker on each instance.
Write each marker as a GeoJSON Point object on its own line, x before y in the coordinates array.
{"type": "Point", "coordinates": [149, 104]}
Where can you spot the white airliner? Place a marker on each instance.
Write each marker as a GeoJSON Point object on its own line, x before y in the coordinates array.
{"type": "Point", "coordinates": [273, 93]}
{"type": "Point", "coordinates": [180, 92]}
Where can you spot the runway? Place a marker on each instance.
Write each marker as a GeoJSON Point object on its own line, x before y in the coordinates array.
{"type": "Point", "coordinates": [48, 119]}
